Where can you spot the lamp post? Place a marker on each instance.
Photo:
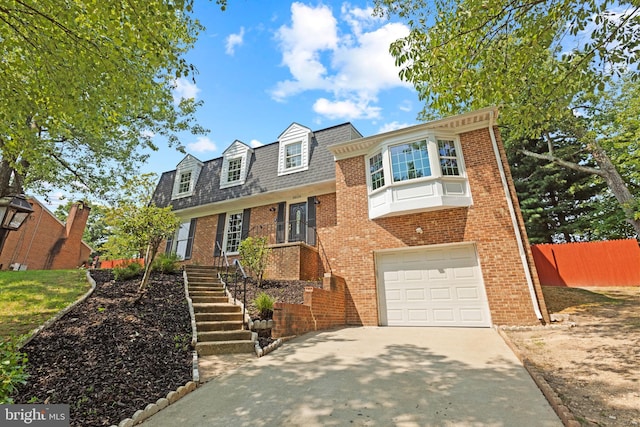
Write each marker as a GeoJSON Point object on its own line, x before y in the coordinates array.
{"type": "Point", "coordinates": [14, 210]}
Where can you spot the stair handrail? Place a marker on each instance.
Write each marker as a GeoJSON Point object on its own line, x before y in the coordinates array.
{"type": "Point", "coordinates": [239, 269]}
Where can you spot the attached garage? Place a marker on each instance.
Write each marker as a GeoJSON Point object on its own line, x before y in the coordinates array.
{"type": "Point", "coordinates": [435, 286]}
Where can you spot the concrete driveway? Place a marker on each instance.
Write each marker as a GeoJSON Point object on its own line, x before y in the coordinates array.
{"type": "Point", "coordinates": [372, 376]}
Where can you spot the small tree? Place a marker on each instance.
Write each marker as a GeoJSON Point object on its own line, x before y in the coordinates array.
{"type": "Point", "coordinates": [137, 226]}
{"type": "Point", "coordinates": [255, 255]}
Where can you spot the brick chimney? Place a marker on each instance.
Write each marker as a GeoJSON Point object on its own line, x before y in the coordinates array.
{"type": "Point", "coordinates": [77, 220]}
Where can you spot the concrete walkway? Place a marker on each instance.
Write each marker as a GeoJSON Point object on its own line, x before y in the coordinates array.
{"type": "Point", "coordinates": [372, 377]}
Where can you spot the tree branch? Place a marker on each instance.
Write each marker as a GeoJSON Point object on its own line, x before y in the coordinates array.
{"type": "Point", "coordinates": [563, 163]}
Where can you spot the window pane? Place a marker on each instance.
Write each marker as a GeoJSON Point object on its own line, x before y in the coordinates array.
{"type": "Point", "coordinates": [448, 158]}
{"type": "Point", "coordinates": [234, 170]}
{"type": "Point", "coordinates": [410, 161]}
{"type": "Point", "coordinates": [185, 182]}
{"type": "Point", "coordinates": [293, 155]}
{"type": "Point", "coordinates": [376, 172]}
{"type": "Point", "coordinates": [234, 232]}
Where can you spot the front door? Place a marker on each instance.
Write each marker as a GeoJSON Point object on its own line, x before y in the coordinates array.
{"type": "Point", "coordinates": [298, 222]}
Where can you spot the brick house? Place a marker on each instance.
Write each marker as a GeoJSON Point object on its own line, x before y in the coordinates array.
{"type": "Point", "coordinates": [46, 243]}
{"type": "Point", "coordinates": [420, 226]}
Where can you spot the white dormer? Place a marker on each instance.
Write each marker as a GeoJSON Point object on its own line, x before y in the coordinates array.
{"type": "Point", "coordinates": [235, 162]}
{"type": "Point", "coordinates": [293, 154]}
{"type": "Point", "coordinates": [187, 173]}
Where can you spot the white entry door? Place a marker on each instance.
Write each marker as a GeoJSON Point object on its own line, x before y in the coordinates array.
{"type": "Point", "coordinates": [440, 286]}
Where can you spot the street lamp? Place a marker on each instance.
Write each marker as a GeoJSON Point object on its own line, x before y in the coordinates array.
{"type": "Point", "coordinates": [14, 210]}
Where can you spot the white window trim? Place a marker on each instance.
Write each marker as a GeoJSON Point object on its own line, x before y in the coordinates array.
{"type": "Point", "coordinates": [304, 157]}
{"type": "Point", "coordinates": [224, 173]}
{"type": "Point", "coordinates": [182, 236]}
{"type": "Point", "coordinates": [179, 173]}
{"type": "Point", "coordinates": [226, 231]}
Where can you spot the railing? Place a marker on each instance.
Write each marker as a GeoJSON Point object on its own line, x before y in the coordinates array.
{"type": "Point", "coordinates": [270, 231]}
{"type": "Point", "coordinates": [223, 262]}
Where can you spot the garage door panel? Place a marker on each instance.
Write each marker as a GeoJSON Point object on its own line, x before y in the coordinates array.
{"type": "Point", "coordinates": [415, 295]}
{"type": "Point", "coordinates": [433, 287]}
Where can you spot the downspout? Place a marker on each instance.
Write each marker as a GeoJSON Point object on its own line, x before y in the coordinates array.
{"type": "Point", "coordinates": [514, 221]}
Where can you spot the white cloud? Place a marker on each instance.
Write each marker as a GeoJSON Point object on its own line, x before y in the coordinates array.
{"type": "Point", "coordinates": [350, 62]}
{"type": "Point", "coordinates": [202, 145]}
{"type": "Point", "coordinates": [388, 127]}
{"type": "Point", "coordinates": [347, 109]}
{"type": "Point", "coordinates": [234, 40]}
{"type": "Point", "coordinates": [255, 143]}
{"type": "Point", "coordinates": [405, 106]}
{"type": "Point", "coordinates": [184, 89]}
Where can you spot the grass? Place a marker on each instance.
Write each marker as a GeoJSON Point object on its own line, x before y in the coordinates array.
{"type": "Point", "coordinates": [29, 298]}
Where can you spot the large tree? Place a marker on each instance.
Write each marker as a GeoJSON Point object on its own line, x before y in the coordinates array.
{"type": "Point", "coordinates": [85, 85]}
{"type": "Point", "coordinates": [542, 62]}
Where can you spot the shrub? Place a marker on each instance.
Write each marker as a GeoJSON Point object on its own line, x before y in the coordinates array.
{"type": "Point", "coordinates": [264, 304]}
{"type": "Point", "coordinates": [12, 370]}
{"type": "Point", "coordinates": [255, 255]}
{"type": "Point", "coordinates": [166, 263]}
{"type": "Point", "coordinates": [129, 271]}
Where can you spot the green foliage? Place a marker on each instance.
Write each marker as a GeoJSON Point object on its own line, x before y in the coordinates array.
{"type": "Point", "coordinates": [137, 226]}
{"type": "Point", "coordinates": [549, 66]}
{"type": "Point", "coordinates": [86, 86]}
{"type": "Point", "coordinates": [264, 304]}
{"type": "Point", "coordinates": [166, 263]}
{"type": "Point", "coordinates": [13, 371]}
{"type": "Point", "coordinates": [255, 255]}
{"type": "Point", "coordinates": [127, 272]}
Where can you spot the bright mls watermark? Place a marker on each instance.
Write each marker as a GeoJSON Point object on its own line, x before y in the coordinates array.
{"type": "Point", "coordinates": [34, 415]}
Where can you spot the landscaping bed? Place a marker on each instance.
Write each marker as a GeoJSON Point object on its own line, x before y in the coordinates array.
{"type": "Point", "coordinates": [591, 358]}
{"type": "Point", "coordinates": [112, 355]}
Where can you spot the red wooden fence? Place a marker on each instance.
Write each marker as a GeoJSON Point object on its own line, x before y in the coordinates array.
{"type": "Point", "coordinates": [120, 262]}
{"type": "Point", "coordinates": [606, 263]}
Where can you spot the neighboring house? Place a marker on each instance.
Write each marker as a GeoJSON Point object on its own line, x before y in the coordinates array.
{"type": "Point", "coordinates": [45, 243]}
{"type": "Point", "coordinates": [422, 223]}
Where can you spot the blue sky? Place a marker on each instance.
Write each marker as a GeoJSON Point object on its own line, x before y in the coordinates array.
{"type": "Point", "coordinates": [263, 65]}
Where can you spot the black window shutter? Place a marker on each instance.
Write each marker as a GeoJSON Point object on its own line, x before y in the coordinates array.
{"type": "Point", "coordinates": [280, 222]}
{"type": "Point", "coordinates": [246, 220]}
{"type": "Point", "coordinates": [222, 219]}
{"type": "Point", "coordinates": [311, 221]}
{"type": "Point", "coordinates": [192, 233]}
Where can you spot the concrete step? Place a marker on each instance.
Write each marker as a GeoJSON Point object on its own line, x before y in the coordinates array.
{"type": "Point", "coordinates": [200, 299]}
{"type": "Point", "coordinates": [208, 336]}
{"type": "Point", "coordinates": [216, 317]}
{"type": "Point", "coordinates": [216, 308]}
{"type": "Point", "coordinates": [224, 347]}
{"type": "Point", "coordinates": [220, 325]}
{"type": "Point", "coordinates": [199, 293]}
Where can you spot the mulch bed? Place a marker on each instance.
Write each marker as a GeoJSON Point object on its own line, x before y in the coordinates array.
{"type": "Point", "coordinates": [111, 355]}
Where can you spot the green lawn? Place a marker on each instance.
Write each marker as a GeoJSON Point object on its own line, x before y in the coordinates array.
{"type": "Point", "coordinates": [29, 298]}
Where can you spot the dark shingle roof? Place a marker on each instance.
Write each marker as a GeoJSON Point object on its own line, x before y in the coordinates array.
{"type": "Point", "coordinates": [262, 173]}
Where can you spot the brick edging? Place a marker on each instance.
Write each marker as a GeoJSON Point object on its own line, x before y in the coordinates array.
{"type": "Point", "coordinates": [563, 412]}
{"type": "Point", "coordinates": [62, 312]}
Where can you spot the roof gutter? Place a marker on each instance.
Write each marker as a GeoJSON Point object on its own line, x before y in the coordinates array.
{"type": "Point", "coordinates": [514, 221]}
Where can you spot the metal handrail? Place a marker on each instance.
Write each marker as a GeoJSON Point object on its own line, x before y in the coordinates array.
{"type": "Point", "coordinates": [238, 269]}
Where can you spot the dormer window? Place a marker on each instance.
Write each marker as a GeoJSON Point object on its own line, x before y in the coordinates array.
{"type": "Point", "coordinates": [293, 154]}
{"type": "Point", "coordinates": [235, 161]}
{"type": "Point", "coordinates": [187, 174]}
{"type": "Point", "coordinates": [235, 166]}
{"type": "Point", "coordinates": [185, 183]}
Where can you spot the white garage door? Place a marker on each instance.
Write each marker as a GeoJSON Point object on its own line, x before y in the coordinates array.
{"type": "Point", "coordinates": [432, 287]}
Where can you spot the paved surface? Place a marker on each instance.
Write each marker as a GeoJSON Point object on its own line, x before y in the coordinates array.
{"type": "Point", "coordinates": [372, 377]}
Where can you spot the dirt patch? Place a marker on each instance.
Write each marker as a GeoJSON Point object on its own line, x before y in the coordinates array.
{"type": "Point", "coordinates": [591, 358]}
{"type": "Point", "coordinates": [110, 356]}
